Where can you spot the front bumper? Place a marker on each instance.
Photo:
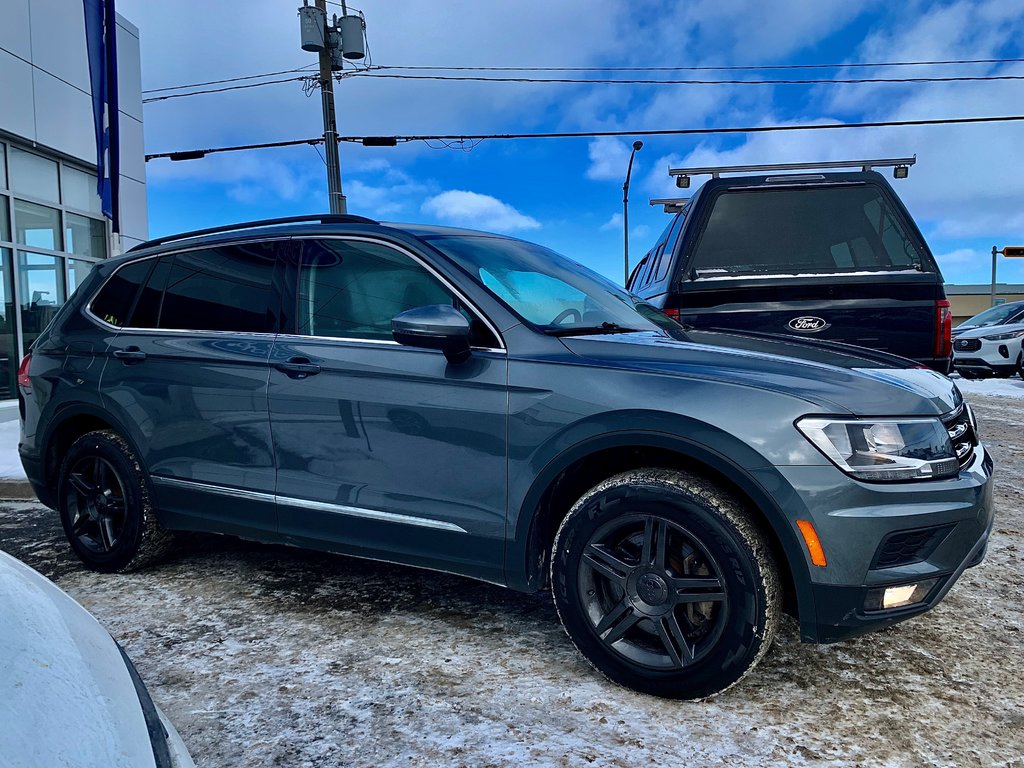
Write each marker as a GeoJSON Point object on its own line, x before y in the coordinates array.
{"type": "Point", "coordinates": [993, 358]}
{"type": "Point", "coordinates": [944, 524]}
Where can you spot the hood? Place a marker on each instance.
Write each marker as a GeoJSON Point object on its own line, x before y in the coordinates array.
{"type": "Point", "coordinates": [981, 331]}
{"type": "Point", "coordinates": [68, 696]}
{"type": "Point", "coordinates": [836, 378]}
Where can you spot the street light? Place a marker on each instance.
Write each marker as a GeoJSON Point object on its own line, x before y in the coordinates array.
{"type": "Point", "coordinates": [637, 146]}
{"type": "Point", "coordinates": [1009, 251]}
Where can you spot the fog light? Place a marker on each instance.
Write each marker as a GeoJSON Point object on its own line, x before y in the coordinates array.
{"type": "Point", "coordinates": [887, 598]}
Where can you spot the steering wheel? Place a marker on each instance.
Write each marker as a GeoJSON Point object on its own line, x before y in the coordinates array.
{"type": "Point", "coordinates": [566, 314]}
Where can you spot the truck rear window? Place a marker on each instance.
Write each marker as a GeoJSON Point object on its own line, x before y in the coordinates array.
{"type": "Point", "coordinates": [806, 231]}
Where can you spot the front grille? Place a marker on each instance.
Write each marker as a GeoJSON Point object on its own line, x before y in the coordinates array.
{"type": "Point", "coordinates": [967, 345]}
{"type": "Point", "coordinates": [908, 547]}
{"type": "Point", "coordinates": [961, 434]}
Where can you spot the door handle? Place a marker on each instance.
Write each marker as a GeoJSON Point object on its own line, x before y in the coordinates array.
{"type": "Point", "coordinates": [130, 355]}
{"type": "Point", "coordinates": [298, 368]}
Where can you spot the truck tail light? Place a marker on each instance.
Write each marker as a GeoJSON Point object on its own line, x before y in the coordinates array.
{"type": "Point", "coordinates": [944, 329]}
{"type": "Point", "coordinates": [23, 380]}
{"type": "Point", "coordinates": [674, 313]}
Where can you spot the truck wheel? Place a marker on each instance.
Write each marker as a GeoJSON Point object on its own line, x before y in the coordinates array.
{"type": "Point", "coordinates": [665, 584]}
{"type": "Point", "coordinates": [104, 502]}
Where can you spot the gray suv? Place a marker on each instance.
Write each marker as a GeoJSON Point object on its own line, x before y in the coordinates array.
{"type": "Point", "coordinates": [477, 404]}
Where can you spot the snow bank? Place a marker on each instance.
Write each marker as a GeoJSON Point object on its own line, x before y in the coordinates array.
{"type": "Point", "coordinates": [991, 387]}
{"type": "Point", "coordinates": [10, 463]}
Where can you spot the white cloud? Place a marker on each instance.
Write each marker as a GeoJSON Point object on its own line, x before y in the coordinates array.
{"type": "Point", "coordinates": [472, 209]}
{"type": "Point", "coordinates": [959, 257]}
{"type": "Point", "coordinates": [615, 222]}
{"type": "Point", "coordinates": [608, 159]}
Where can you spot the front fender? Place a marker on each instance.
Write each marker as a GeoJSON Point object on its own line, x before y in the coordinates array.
{"type": "Point", "coordinates": [704, 445]}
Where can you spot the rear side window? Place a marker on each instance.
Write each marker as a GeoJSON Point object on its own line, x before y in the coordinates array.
{"type": "Point", "coordinates": [638, 272]}
{"type": "Point", "coordinates": [220, 289]}
{"type": "Point", "coordinates": [114, 301]}
{"type": "Point", "coordinates": [670, 247]}
{"type": "Point", "coordinates": [147, 308]}
{"type": "Point", "coordinates": [817, 230]}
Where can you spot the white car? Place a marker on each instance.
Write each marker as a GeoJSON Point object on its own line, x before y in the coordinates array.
{"type": "Point", "coordinates": [69, 696]}
{"type": "Point", "coordinates": [990, 351]}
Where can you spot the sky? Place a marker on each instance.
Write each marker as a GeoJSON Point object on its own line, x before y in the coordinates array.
{"type": "Point", "coordinates": [966, 191]}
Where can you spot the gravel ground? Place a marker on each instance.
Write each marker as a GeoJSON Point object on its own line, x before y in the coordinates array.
{"type": "Point", "coordinates": [268, 656]}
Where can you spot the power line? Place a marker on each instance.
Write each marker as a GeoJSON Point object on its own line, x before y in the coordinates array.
{"type": "Point", "coordinates": [735, 68]}
{"type": "Point", "coordinates": [167, 96]}
{"type": "Point", "coordinates": [456, 139]}
{"type": "Point", "coordinates": [609, 81]}
{"type": "Point", "coordinates": [227, 80]}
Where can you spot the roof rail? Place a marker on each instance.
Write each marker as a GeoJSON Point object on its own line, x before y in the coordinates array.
{"type": "Point", "coordinates": [900, 166]}
{"type": "Point", "coordinates": [672, 204]}
{"type": "Point", "coordinates": [322, 218]}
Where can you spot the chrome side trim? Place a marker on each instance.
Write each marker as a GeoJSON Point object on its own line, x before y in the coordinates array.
{"type": "Point", "coordinates": [288, 501]}
{"type": "Point", "coordinates": [217, 490]}
{"type": "Point", "coordinates": [371, 514]}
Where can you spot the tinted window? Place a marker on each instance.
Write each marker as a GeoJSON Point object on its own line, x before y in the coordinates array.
{"type": "Point", "coordinates": [805, 231]}
{"type": "Point", "coordinates": [147, 308]}
{"type": "Point", "coordinates": [352, 289]}
{"type": "Point", "coordinates": [220, 289]}
{"type": "Point", "coordinates": [114, 301]}
{"type": "Point", "coordinates": [670, 247]}
{"type": "Point", "coordinates": [656, 260]}
{"type": "Point", "coordinates": [638, 272]}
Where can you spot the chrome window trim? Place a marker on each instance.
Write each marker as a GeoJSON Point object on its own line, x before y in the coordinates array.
{"type": "Point", "coordinates": [289, 501]}
{"type": "Point", "coordinates": [87, 310]}
{"type": "Point", "coordinates": [348, 340]}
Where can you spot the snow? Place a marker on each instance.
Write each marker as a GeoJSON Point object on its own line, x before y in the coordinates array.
{"type": "Point", "coordinates": [991, 387]}
{"type": "Point", "coordinates": [10, 462]}
{"type": "Point", "coordinates": [276, 656]}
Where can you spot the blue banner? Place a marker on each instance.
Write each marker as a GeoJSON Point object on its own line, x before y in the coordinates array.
{"type": "Point", "coordinates": [101, 43]}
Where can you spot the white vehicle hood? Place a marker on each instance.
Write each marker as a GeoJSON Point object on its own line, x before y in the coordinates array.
{"type": "Point", "coordinates": [990, 330]}
{"type": "Point", "coordinates": [66, 697]}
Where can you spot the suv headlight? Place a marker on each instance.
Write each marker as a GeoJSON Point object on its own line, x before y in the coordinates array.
{"type": "Point", "coordinates": [881, 451]}
{"type": "Point", "coordinates": [1004, 336]}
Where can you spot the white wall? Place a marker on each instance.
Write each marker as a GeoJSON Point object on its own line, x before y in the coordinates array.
{"type": "Point", "coordinates": [46, 95]}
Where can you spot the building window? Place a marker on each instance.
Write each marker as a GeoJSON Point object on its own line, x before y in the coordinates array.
{"type": "Point", "coordinates": [51, 234]}
{"type": "Point", "coordinates": [34, 176]}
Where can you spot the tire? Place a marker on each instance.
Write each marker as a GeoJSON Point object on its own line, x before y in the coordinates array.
{"type": "Point", "coordinates": [105, 506]}
{"type": "Point", "coordinates": [968, 375]}
{"type": "Point", "coordinates": [613, 561]}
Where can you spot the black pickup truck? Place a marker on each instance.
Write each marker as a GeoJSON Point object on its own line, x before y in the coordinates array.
{"type": "Point", "coordinates": [831, 256]}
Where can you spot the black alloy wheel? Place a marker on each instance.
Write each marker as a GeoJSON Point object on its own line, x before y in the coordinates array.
{"type": "Point", "coordinates": [665, 583]}
{"type": "Point", "coordinates": [96, 503]}
{"type": "Point", "coordinates": [105, 505]}
{"type": "Point", "coordinates": [652, 591]}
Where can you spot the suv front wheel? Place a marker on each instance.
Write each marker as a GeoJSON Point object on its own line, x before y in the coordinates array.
{"type": "Point", "coordinates": [665, 584]}
{"type": "Point", "coordinates": [104, 502]}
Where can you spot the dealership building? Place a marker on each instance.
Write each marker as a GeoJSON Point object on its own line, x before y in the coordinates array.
{"type": "Point", "coordinates": [52, 229]}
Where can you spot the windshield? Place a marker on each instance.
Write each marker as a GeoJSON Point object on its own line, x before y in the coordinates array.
{"type": "Point", "coordinates": [805, 231]}
{"type": "Point", "coordinates": [549, 291]}
{"type": "Point", "coordinates": [993, 316]}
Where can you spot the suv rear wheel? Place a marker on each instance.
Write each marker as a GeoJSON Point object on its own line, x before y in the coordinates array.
{"type": "Point", "coordinates": [104, 502]}
{"type": "Point", "coordinates": [665, 584]}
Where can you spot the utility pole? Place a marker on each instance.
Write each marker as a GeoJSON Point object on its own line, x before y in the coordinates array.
{"type": "Point", "coordinates": [337, 198]}
{"type": "Point", "coordinates": [332, 42]}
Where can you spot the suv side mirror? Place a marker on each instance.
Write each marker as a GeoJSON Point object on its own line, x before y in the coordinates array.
{"type": "Point", "coordinates": [439, 326]}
